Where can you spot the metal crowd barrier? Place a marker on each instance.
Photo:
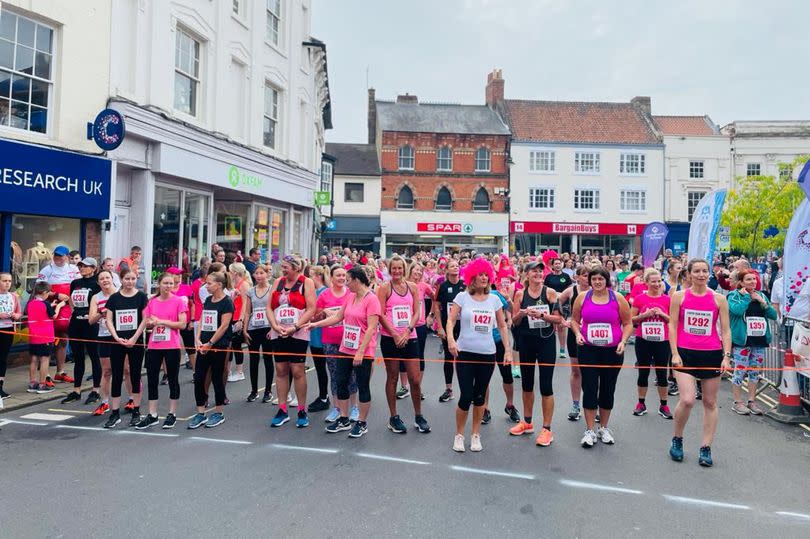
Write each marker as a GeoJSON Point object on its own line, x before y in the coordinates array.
{"type": "Point", "coordinates": [775, 360]}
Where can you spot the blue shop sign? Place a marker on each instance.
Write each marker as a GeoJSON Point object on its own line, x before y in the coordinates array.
{"type": "Point", "coordinates": [44, 181]}
{"type": "Point", "coordinates": [108, 130]}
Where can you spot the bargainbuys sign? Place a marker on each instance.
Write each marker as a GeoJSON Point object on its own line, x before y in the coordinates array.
{"type": "Point", "coordinates": [534, 227]}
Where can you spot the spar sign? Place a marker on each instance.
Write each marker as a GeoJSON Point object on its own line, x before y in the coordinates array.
{"type": "Point", "coordinates": [445, 228]}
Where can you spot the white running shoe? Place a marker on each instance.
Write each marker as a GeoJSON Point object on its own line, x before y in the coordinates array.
{"type": "Point", "coordinates": [240, 376]}
{"type": "Point", "coordinates": [274, 400]}
{"type": "Point", "coordinates": [588, 439]}
{"type": "Point", "coordinates": [458, 443]}
{"type": "Point", "coordinates": [233, 377]}
{"type": "Point", "coordinates": [606, 436]}
{"type": "Point", "coordinates": [292, 400]}
{"type": "Point", "coordinates": [475, 443]}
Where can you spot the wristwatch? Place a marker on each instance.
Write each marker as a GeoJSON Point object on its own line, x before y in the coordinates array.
{"type": "Point", "coordinates": [727, 354]}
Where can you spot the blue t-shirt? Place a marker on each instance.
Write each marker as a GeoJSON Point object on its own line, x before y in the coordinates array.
{"type": "Point", "coordinates": [495, 333]}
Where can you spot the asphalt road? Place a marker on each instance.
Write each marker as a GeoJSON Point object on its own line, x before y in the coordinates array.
{"type": "Point", "coordinates": [64, 476]}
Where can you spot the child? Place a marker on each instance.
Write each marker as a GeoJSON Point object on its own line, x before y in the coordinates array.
{"type": "Point", "coordinates": [9, 315]}
{"type": "Point", "coordinates": [40, 338]}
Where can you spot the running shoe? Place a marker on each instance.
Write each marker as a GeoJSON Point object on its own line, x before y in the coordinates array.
{"type": "Point", "coordinates": [44, 388]}
{"type": "Point", "coordinates": [252, 396]}
{"type": "Point", "coordinates": [113, 420]}
{"type": "Point", "coordinates": [563, 355]}
{"type": "Point", "coordinates": [92, 398]}
{"type": "Point", "coordinates": [170, 421]}
{"type": "Point", "coordinates": [333, 415]}
{"type": "Point", "coordinates": [512, 412]}
{"type": "Point", "coordinates": [240, 376]}
{"type": "Point", "coordinates": [3, 394]}
{"type": "Point", "coordinates": [424, 396]}
{"type": "Point", "coordinates": [403, 391]}
{"type": "Point", "coordinates": [515, 371]}
{"type": "Point", "coordinates": [545, 438]}
{"type": "Point", "coordinates": [33, 387]}
{"type": "Point", "coordinates": [318, 405]}
{"type": "Point", "coordinates": [606, 436]}
{"type": "Point", "coordinates": [72, 396]}
{"type": "Point", "coordinates": [676, 449]}
{"type": "Point", "coordinates": [214, 420]}
{"type": "Point", "coordinates": [705, 458]}
{"type": "Point", "coordinates": [458, 443]}
{"type": "Point", "coordinates": [673, 388]}
{"type": "Point", "coordinates": [232, 377]}
{"type": "Point", "coordinates": [588, 439]}
{"type": "Point", "coordinates": [148, 421]}
{"type": "Point", "coordinates": [274, 400]}
{"type": "Point", "coordinates": [521, 428]}
{"type": "Point", "coordinates": [640, 410]}
{"type": "Point", "coordinates": [102, 409]}
{"type": "Point", "coordinates": [197, 421]}
{"type": "Point", "coordinates": [164, 380]}
{"type": "Point", "coordinates": [49, 382]}
{"type": "Point", "coordinates": [740, 408]}
{"type": "Point", "coordinates": [575, 413]}
{"type": "Point", "coordinates": [664, 411]}
{"type": "Point", "coordinates": [487, 417]}
{"type": "Point", "coordinates": [446, 396]}
{"type": "Point", "coordinates": [354, 413]}
{"type": "Point", "coordinates": [340, 424]}
{"type": "Point", "coordinates": [63, 377]}
{"type": "Point", "coordinates": [281, 418]}
{"type": "Point", "coordinates": [188, 365]}
{"type": "Point", "coordinates": [303, 420]}
{"type": "Point", "coordinates": [396, 425]}
{"type": "Point", "coordinates": [268, 397]}
{"type": "Point", "coordinates": [135, 418]}
{"type": "Point", "coordinates": [130, 405]}
{"type": "Point", "coordinates": [421, 424]}
{"type": "Point", "coordinates": [754, 407]}
{"type": "Point", "coordinates": [359, 428]}
{"type": "Point", "coordinates": [475, 443]}
{"type": "Point", "coordinates": [597, 418]}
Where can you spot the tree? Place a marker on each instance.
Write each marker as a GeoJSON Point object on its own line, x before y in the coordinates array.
{"type": "Point", "coordinates": [759, 202]}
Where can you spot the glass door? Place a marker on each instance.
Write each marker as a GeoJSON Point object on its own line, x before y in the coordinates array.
{"type": "Point", "coordinates": [195, 231]}
{"type": "Point", "coordinates": [166, 230]}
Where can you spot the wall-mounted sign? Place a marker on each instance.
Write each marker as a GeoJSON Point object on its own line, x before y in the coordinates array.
{"type": "Point", "coordinates": [618, 229]}
{"type": "Point", "coordinates": [323, 198]}
{"type": "Point", "coordinates": [108, 130]}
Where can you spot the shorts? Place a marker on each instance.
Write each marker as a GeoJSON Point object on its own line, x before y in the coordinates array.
{"type": "Point", "coordinates": [188, 339]}
{"type": "Point", "coordinates": [390, 351]}
{"type": "Point", "coordinates": [571, 344]}
{"type": "Point", "coordinates": [290, 350]}
{"type": "Point", "coordinates": [702, 364]}
{"type": "Point", "coordinates": [40, 349]}
{"type": "Point", "coordinates": [104, 347]}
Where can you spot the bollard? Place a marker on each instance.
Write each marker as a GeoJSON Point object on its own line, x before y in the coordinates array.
{"type": "Point", "coordinates": [789, 409]}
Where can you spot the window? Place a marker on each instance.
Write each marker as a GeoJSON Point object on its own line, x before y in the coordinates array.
{"type": "Point", "coordinates": [273, 32]}
{"type": "Point", "coordinates": [405, 158]}
{"type": "Point", "coordinates": [26, 81]}
{"type": "Point", "coordinates": [271, 105]}
{"type": "Point", "coordinates": [541, 198]}
{"type": "Point", "coordinates": [696, 169]}
{"type": "Point", "coordinates": [586, 162]}
{"type": "Point", "coordinates": [326, 176]}
{"type": "Point", "coordinates": [631, 163]}
{"type": "Point", "coordinates": [444, 159]}
{"type": "Point", "coordinates": [692, 201]}
{"type": "Point", "coordinates": [541, 161]}
{"type": "Point", "coordinates": [354, 192]}
{"type": "Point", "coordinates": [186, 72]}
{"type": "Point", "coordinates": [481, 200]}
{"type": "Point", "coordinates": [405, 198]}
{"type": "Point", "coordinates": [586, 199]}
{"type": "Point", "coordinates": [752, 169]}
{"type": "Point", "coordinates": [483, 160]}
{"type": "Point", "coordinates": [785, 172]}
{"type": "Point", "coordinates": [633, 200]}
{"type": "Point", "coordinates": [444, 200]}
{"type": "Point", "coordinates": [238, 6]}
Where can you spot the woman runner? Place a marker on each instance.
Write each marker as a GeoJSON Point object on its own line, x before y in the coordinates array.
{"type": "Point", "coordinates": [569, 296]}
{"type": "Point", "coordinates": [98, 316]}
{"type": "Point", "coordinates": [256, 326]}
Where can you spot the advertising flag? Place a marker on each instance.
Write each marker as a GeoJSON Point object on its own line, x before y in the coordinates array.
{"type": "Point", "coordinates": [796, 259]}
{"type": "Point", "coordinates": [705, 221]}
{"type": "Point", "coordinates": [652, 241]}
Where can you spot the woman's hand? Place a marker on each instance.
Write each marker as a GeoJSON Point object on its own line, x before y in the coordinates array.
{"type": "Point", "coordinates": [246, 336]}
{"type": "Point", "coordinates": [725, 365]}
{"type": "Point", "coordinates": [358, 358]}
{"type": "Point", "coordinates": [580, 340]}
{"type": "Point", "coordinates": [620, 348]}
{"type": "Point", "coordinates": [507, 357]}
{"type": "Point", "coordinates": [453, 348]}
{"type": "Point", "coordinates": [676, 361]}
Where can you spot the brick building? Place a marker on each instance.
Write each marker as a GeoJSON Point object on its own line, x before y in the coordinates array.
{"type": "Point", "coordinates": [444, 175]}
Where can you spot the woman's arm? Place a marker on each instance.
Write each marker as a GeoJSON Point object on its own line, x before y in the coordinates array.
{"type": "Point", "coordinates": [93, 315]}
{"type": "Point", "coordinates": [576, 317]}
{"type": "Point", "coordinates": [382, 294]}
{"type": "Point", "coordinates": [674, 314]}
{"type": "Point", "coordinates": [311, 298]}
{"type": "Point", "coordinates": [500, 317]}
{"type": "Point", "coordinates": [627, 322]}
{"type": "Point", "coordinates": [554, 307]}
{"type": "Point", "coordinates": [518, 314]}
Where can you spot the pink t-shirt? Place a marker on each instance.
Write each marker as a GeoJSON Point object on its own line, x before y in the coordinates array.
{"type": "Point", "coordinates": [425, 291]}
{"type": "Point", "coordinates": [638, 289]}
{"type": "Point", "coordinates": [195, 291]}
{"type": "Point", "coordinates": [328, 302]}
{"type": "Point", "coordinates": [163, 338]}
{"type": "Point", "coordinates": [355, 319]}
{"type": "Point", "coordinates": [655, 328]}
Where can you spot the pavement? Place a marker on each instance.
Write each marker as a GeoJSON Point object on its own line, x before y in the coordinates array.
{"type": "Point", "coordinates": [245, 479]}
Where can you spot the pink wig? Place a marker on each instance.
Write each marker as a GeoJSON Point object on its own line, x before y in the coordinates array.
{"type": "Point", "coordinates": [548, 255]}
{"type": "Point", "coordinates": [475, 268]}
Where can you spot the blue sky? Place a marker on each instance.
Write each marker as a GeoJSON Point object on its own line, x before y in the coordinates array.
{"type": "Point", "coordinates": [732, 60]}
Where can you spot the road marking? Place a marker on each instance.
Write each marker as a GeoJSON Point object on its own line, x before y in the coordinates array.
{"type": "Point", "coordinates": [69, 411]}
{"type": "Point", "coordinates": [18, 422]}
{"type": "Point", "coordinates": [710, 503]}
{"type": "Point", "coordinates": [46, 417]}
{"type": "Point", "coordinates": [392, 459]}
{"type": "Point", "coordinates": [77, 427]}
{"type": "Point", "coordinates": [596, 486]}
{"type": "Point", "coordinates": [142, 433]}
{"type": "Point", "coordinates": [805, 427]}
{"type": "Point", "coordinates": [302, 448]}
{"type": "Point", "coordinates": [492, 472]}
{"type": "Point", "coordinates": [219, 440]}
{"type": "Point", "coordinates": [791, 514]}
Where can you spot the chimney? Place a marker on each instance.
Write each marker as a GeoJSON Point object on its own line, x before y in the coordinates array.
{"type": "Point", "coordinates": [372, 116]}
{"type": "Point", "coordinates": [643, 103]}
{"type": "Point", "coordinates": [494, 91]}
{"type": "Point", "coordinates": [408, 98]}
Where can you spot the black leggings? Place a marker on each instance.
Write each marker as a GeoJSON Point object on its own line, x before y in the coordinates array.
{"type": "Point", "coordinates": [503, 368]}
{"type": "Point", "coordinates": [154, 359]}
{"type": "Point", "coordinates": [319, 361]}
{"type": "Point", "coordinates": [5, 345]}
{"type": "Point", "coordinates": [236, 345]}
{"type": "Point", "coordinates": [474, 373]}
{"type": "Point", "coordinates": [260, 341]}
{"type": "Point", "coordinates": [534, 350]}
{"type": "Point", "coordinates": [81, 329]}
{"type": "Point", "coordinates": [214, 359]}
{"type": "Point", "coordinates": [599, 383]}
{"type": "Point", "coordinates": [449, 361]}
{"type": "Point", "coordinates": [343, 374]}
{"type": "Point", "coordinates": [118, 354]}
{"type": "Point", "coordinates": [421, 338]}
{"type": "Point", "coordinates": [655, 353]}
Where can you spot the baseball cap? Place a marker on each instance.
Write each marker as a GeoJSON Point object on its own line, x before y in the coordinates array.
{"type": "Point", "coordinates": [61, 251]}
{"type": "Point", "coordinates": [533, 264]}
{"type": "Point", "coordinates": [89, 261]}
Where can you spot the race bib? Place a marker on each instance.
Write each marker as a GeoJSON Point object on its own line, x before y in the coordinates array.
{"type": "Point", "coordinates": [652, 331]}
{"type": "Point", "coordinates": [755, 326]}
{"type": "Point", "coordinates": [287, 316]}
{"type": "Point", "coordinates": [624, 287]}
{"type": "Point", "coordinates": [401, 315]}
{"type": "Point", "coordinates": [539, 323]}
{"type": "Point", "coordinates": [126, 320]}
{"type": "Point", "coordinates": [351, 337]}
{"type": "Point", "coordinates": [505, 282]}
{"type": "Point", "coordinates": [208, 321]}
{"type": "Point", "coordinates": [697, 322]}
{"type": "Point", "coordinates": [160, 334]}
{"type": "Point", "coordinates": [79, 297]}
{"type": "Point", "coordinates": [481, 320]}
{"type": "Point", "coordinates": [258, 318]}
{"type": "Point", "coordinates": [600, 334]}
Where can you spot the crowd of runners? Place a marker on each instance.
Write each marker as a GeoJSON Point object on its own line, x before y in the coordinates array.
{"type": "Point", "coordinates": [688, 320]}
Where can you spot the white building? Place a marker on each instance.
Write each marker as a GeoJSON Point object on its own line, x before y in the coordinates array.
{"type": "Point", "coordinates": [763, 148]}
{"type": "Point", "coordinates": [226, 105]}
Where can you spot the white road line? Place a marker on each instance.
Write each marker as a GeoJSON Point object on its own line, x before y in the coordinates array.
{"type": "Point", "coordinates": [596, 486]}
{"type": "Point", "coordinates": [710, 503]}
{"type": "Point", "coordinates": [791, 514]}
{"type": "Point", "coordinates": [219, 440]}
{"type": "Point", "coordinates": [47, 417]}
{"type": "Point", "coordinates": [77, 427]}
{"type": "Point", "coordinates": [302, 448]}
{"type": "Point", "coordinates": [392, 459]}
{"type": "Point", "coordinates": [142, 433]}
{"type": "Point", "coordinates": [492, 472]}
{"type": "Point", "coordinates": [18, 422]}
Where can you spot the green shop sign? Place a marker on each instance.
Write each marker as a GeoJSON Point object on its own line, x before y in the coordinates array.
{"type": "Point", "coordinates": [323, 198]}
{"type": "Point", "coordinates": [241, 179]}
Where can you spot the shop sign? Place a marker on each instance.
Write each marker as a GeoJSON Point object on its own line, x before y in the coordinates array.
{"type": "Point", "coordinates": [452, 228]}
{"type": "Point", "coordinates": [108, 130]}
{"type": "Point", "coordinates": [575, 228]}
{"type": "Point", "coordinates": [43, 181]}
{"type": "Point", "coordinates": [241, 179]}
{"type": "Point", "coordinates": [323, 198]}
{"type": "Point", "coordinates": [601, 229]}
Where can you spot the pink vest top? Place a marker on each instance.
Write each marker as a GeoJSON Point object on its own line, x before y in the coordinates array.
{"type": "Point", "coordinates": [601, 324]}
{"type": "Point", "coordinates": [697, 322]}
{"type": "Point", "coordinates": [399, 311]}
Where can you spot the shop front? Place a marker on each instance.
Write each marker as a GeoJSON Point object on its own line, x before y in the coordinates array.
{"type": "Point", "coordinates": [354, 232]}
{"type": "Point", "coordinates": [603, 238]}
{"type": "Point", "coordinates": [407, 233]}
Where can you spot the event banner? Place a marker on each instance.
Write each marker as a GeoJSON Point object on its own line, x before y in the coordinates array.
{"type": "Point", "coordinates": [796, 259]}
{"type": "Point", "coordinates": [706, 219]}
{"type": "Point", "coordinates": [652, 241]}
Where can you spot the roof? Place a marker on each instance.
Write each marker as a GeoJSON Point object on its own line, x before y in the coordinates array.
{"type": "Point", "coordinates": [439, 118]}
{"type": "Point", "coordinates": [566, 121]}
{"type": "Point", "coordinates": [768, 128]}
{"type": "Point", "coordinates": [686, 125]}
{"type": "Point", "coordinates": [354, 159]}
